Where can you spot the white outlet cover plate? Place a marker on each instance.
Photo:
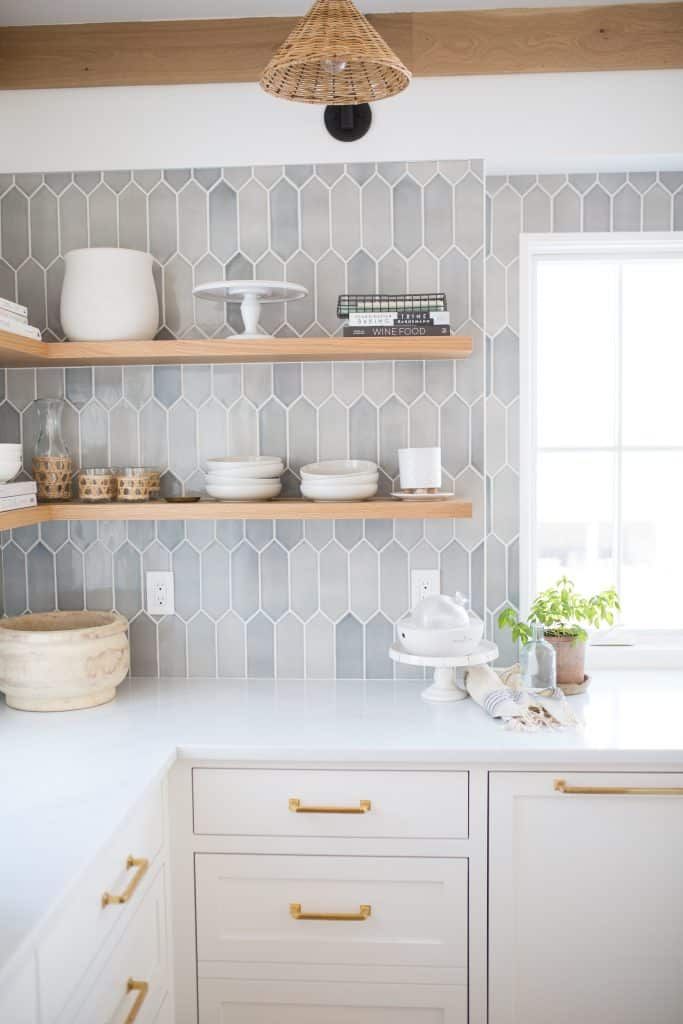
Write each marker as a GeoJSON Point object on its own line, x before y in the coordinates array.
{"type": "Point", "coordinates": [424, 583]}
{"type": "Point", "coordinates": [159, 592]}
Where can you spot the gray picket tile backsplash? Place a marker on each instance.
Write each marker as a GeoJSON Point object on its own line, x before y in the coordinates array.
{"type": "Point", "coordinates": [291, 599]}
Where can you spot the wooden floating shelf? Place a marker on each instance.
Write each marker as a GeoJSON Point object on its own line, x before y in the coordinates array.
{"type": "Point", "coordinates": [286, 508]}
{"type": "Point", "coordinates": [16, 350]}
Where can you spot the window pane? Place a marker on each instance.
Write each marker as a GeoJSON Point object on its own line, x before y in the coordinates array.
{"type": "Point", "coordinates": [652, 547]}
{"type": "Point", "coordinates": [575, 519]}
{"type": "Point", "coordinates": [577, 343]}
{"type": "Point", "coordinates": [652, 352]}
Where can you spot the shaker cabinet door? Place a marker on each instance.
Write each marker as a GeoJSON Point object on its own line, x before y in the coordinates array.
{"type": "Point", "coordinates": [586, 898]}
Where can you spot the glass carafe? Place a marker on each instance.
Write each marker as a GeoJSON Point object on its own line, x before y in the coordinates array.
{"type": "Point", "coordinates": [52, 462]}
{"type": "Point", "coordinates": [537, 662]}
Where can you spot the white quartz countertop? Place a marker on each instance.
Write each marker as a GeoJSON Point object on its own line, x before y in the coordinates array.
{"type": "Point", "coordinates": [69, 779]}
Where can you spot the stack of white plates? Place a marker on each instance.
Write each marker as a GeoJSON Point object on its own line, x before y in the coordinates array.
{"type": "Point", "coordinates": [244, 477]}
{"type": "Point", "coordinates": [339, 480]}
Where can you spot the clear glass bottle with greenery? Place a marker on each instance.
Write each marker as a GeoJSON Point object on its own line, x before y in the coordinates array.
{"type": "Point", "coordinates": [537, 662]}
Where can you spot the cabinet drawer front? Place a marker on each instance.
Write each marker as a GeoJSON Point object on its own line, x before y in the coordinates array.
{"type": "Point", "coordinates": [261, 802]}
{"type": "Point", "coordinates": [84, 923]}
{"type": "Point", "coordinates": [308, 1002]}
{"type": "Point", "coordinates": [255, 908]}
{"type": "Point", "coordinates": [141, 954]}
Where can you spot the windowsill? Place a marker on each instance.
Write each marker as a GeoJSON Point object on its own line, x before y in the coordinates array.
{"type": "Point", "coordinates": [622, 648]}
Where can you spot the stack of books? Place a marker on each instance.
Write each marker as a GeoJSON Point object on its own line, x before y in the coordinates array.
{"type": "Point", "coordinates": [14, 318]}
{"type": "Point", "coordinates": [395, 316]}
{"type": "Point", "coordinates": [21, 494]}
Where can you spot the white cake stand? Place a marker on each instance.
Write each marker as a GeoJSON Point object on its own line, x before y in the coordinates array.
{"type": "Point", "coordinates": [444, 687]}
{"type": "Point", "coordinates": [250, 295]}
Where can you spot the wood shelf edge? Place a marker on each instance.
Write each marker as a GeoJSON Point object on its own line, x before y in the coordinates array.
{"type": "Point", "coordinates": [295, 508]}
{"type": "Point", "coordinates": [17, 351]}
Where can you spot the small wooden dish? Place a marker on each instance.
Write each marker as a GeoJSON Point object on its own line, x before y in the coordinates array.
{"type": "Point", "coordinates": [571, 689]}
{"type": "Point", "coordinates": [182, 499]}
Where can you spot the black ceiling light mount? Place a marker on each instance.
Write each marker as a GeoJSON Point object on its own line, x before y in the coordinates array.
{"type": "Point", "coordinates": [348, 122]}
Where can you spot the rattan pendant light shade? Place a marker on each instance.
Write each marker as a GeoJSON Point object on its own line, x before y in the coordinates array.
{"type": "Point", "coordinates": [334, 56]}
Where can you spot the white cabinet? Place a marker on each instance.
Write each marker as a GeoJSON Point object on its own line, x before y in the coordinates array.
{"type": "Point", "coordinates": [135, 975]}
{"type": "Point", "coordinates": [397, 911]}
{"type": "Point", "coordinates": [165, 1014]}
{"type": "Point", "coordinates": [87, 919]}
{"type": "Point", "coordinates": [297, 921]}
{"type": "Point", "coordinates": [585, 899]}
{"type": "Point", "coordinates": [306, 1002]}
{"type": "Point", "coordinates": [19, 996]}
{"type": "Point", "coordinates": [89, 947]}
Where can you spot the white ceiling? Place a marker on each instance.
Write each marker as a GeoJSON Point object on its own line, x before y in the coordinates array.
{"type": "Point", "coordinates": [68, 12]}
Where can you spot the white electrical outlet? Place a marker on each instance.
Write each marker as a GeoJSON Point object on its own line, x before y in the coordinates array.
{"type": "Point", "coordinates": [423, 583]}
{"type": "Point", "coordinates": [160, 599]}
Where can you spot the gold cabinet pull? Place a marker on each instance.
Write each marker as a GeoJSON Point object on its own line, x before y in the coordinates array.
{"type": "Point", "coordinates": [295, 805]}
{"type": "Point", "coordinates": [562, 787]}
{"type": "Point", "coordinates": [364, 912]}
{"type": "Point", "coordinates": [141, 863]}
{"type": "Point", "coordinates": [142, 988]}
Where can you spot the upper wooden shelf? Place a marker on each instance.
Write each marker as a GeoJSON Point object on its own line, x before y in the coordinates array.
{"type": "Point", "coordinates": [286, 508]}
{"type": "Point", "coordinates": [16, 350]}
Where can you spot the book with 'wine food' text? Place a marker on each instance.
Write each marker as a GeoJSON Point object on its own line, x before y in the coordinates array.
{"type": "Point", "coordinates": [398, 331]}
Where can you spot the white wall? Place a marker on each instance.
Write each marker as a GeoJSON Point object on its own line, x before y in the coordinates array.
{"type": "Point", "coordinates": [517, 123]}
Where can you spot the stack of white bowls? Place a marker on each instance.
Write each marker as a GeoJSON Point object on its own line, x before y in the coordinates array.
{"type": "Point", "coordinates": [244, 477]}
{"type": "Point", "coordinates": [10, 461]}
{"type": "Point", "coordinates": [339, 480]}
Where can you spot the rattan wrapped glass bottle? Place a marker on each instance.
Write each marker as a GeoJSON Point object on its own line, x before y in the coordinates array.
{"type": "Point", "coordinates": [52, 463]}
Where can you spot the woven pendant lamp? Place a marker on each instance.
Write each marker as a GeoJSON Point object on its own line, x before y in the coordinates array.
{"type": "Point", "coordinates": [334, 56]}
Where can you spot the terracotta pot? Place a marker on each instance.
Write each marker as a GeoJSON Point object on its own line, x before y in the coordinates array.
{"type": "Point", "coordinates": [571, 659]}
{"type": "Point", "coordinates": [59, 661]}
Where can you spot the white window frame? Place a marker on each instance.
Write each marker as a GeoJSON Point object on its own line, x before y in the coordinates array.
{"type": "Point", "coordinates": [646, 648]}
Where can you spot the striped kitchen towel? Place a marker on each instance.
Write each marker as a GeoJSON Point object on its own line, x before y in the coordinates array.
{"type": "Point", "coordinates": [501, 694]}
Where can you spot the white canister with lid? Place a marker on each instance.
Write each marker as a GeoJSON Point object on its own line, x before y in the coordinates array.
{"type": "Point", "coordinates": [109, 295]}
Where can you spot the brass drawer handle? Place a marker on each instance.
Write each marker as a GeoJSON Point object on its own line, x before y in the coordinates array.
{"type": "Point", "coordinates": [364, 912]}
{"type": "Point", "coordinates": [141, 863]}
{"type": "Point", "coordinates": [142, 988]}
{"type": "Point", "coordinates": [561, 787]}
{"type": "Point", "coordinates": [295, 805]}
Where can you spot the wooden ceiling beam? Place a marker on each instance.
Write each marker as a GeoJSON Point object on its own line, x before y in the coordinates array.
{"type": "Point", "coordinates": [624, 37]}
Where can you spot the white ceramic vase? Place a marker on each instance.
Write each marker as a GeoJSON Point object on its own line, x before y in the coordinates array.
{"type": "Point", "coordinates": [109, 295]}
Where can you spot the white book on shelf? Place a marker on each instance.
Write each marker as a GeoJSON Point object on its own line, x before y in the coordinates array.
{"type": "Point", "coordinates": [19, 487]}
{"type": "Point", "coordinates": [21, 501]}
{"type": "Point", "coordinates": [15, 327]}
{"type": "Point", "coordinates": [14, 309]}
{"type": "Point", "coordinates": [438, 317]}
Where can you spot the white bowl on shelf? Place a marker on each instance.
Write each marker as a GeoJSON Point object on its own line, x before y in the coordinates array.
{"type": "Point", "coordinates": [249, 466]}
{"type": "Point", "coordinates": [9, 468]}
{"type": "Point", "coordinates": [333, 481]}
{"type": "Point", "coordinates": [338, 468]}
{"type": "Point", "coordinates": [247, 473]}
{"type": "Point", "coordinates": [245, 490]}
{"type": "Point", "coordinates": [221, 480]}
{"type": "Point", "coordinates": [316, 491]}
